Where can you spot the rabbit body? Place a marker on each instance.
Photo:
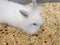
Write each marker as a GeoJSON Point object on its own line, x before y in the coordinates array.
{"type": "Point", "coordinates": [10, 14]}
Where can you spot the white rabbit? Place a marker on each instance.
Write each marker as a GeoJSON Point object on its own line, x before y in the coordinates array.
{"type": "Point", "coordinates": [17, 15]}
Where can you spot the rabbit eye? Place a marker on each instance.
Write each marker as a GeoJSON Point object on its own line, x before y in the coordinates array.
{"type": "Point", "coordinates": [34, 24]}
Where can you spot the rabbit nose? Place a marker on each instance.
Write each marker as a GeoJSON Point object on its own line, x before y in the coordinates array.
{"type": "Point", "coordinates": [34, 24]}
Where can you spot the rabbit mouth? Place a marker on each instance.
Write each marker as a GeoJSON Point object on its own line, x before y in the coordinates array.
{"type": "Point", "coordinates": [31, 29]}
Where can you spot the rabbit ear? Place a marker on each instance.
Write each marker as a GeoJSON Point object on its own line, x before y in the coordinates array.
{"type": "Point", "coordinates": [24, 13]}
{"type": "Point", "coordinates": [34, 4]}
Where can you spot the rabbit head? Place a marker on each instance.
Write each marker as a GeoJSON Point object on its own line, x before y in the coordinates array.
{"type": "Point", "coordinates": [32, 19]}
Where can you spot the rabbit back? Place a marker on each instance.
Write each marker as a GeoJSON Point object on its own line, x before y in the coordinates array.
{"type": "Point", "coordinates": [9, 12]}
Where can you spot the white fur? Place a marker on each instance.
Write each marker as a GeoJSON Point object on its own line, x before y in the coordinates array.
{"type": "Point", "coordinates": [3, 0]}
{"type": "Point", "coordinates": [9, 13]}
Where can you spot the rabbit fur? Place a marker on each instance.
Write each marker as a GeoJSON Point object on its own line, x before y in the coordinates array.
{"type": "Point", "coordinates": [26, 18]}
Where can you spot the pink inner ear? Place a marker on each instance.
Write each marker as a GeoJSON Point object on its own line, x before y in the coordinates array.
{"type": "Point", "coordinates": [24, 13]}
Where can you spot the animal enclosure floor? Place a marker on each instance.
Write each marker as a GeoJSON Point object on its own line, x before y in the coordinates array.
{"type": "Point", "coordinates": [48, 34]}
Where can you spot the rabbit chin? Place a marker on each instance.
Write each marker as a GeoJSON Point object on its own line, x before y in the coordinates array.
{"type": "Point", "coordinates": [31, 30]}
